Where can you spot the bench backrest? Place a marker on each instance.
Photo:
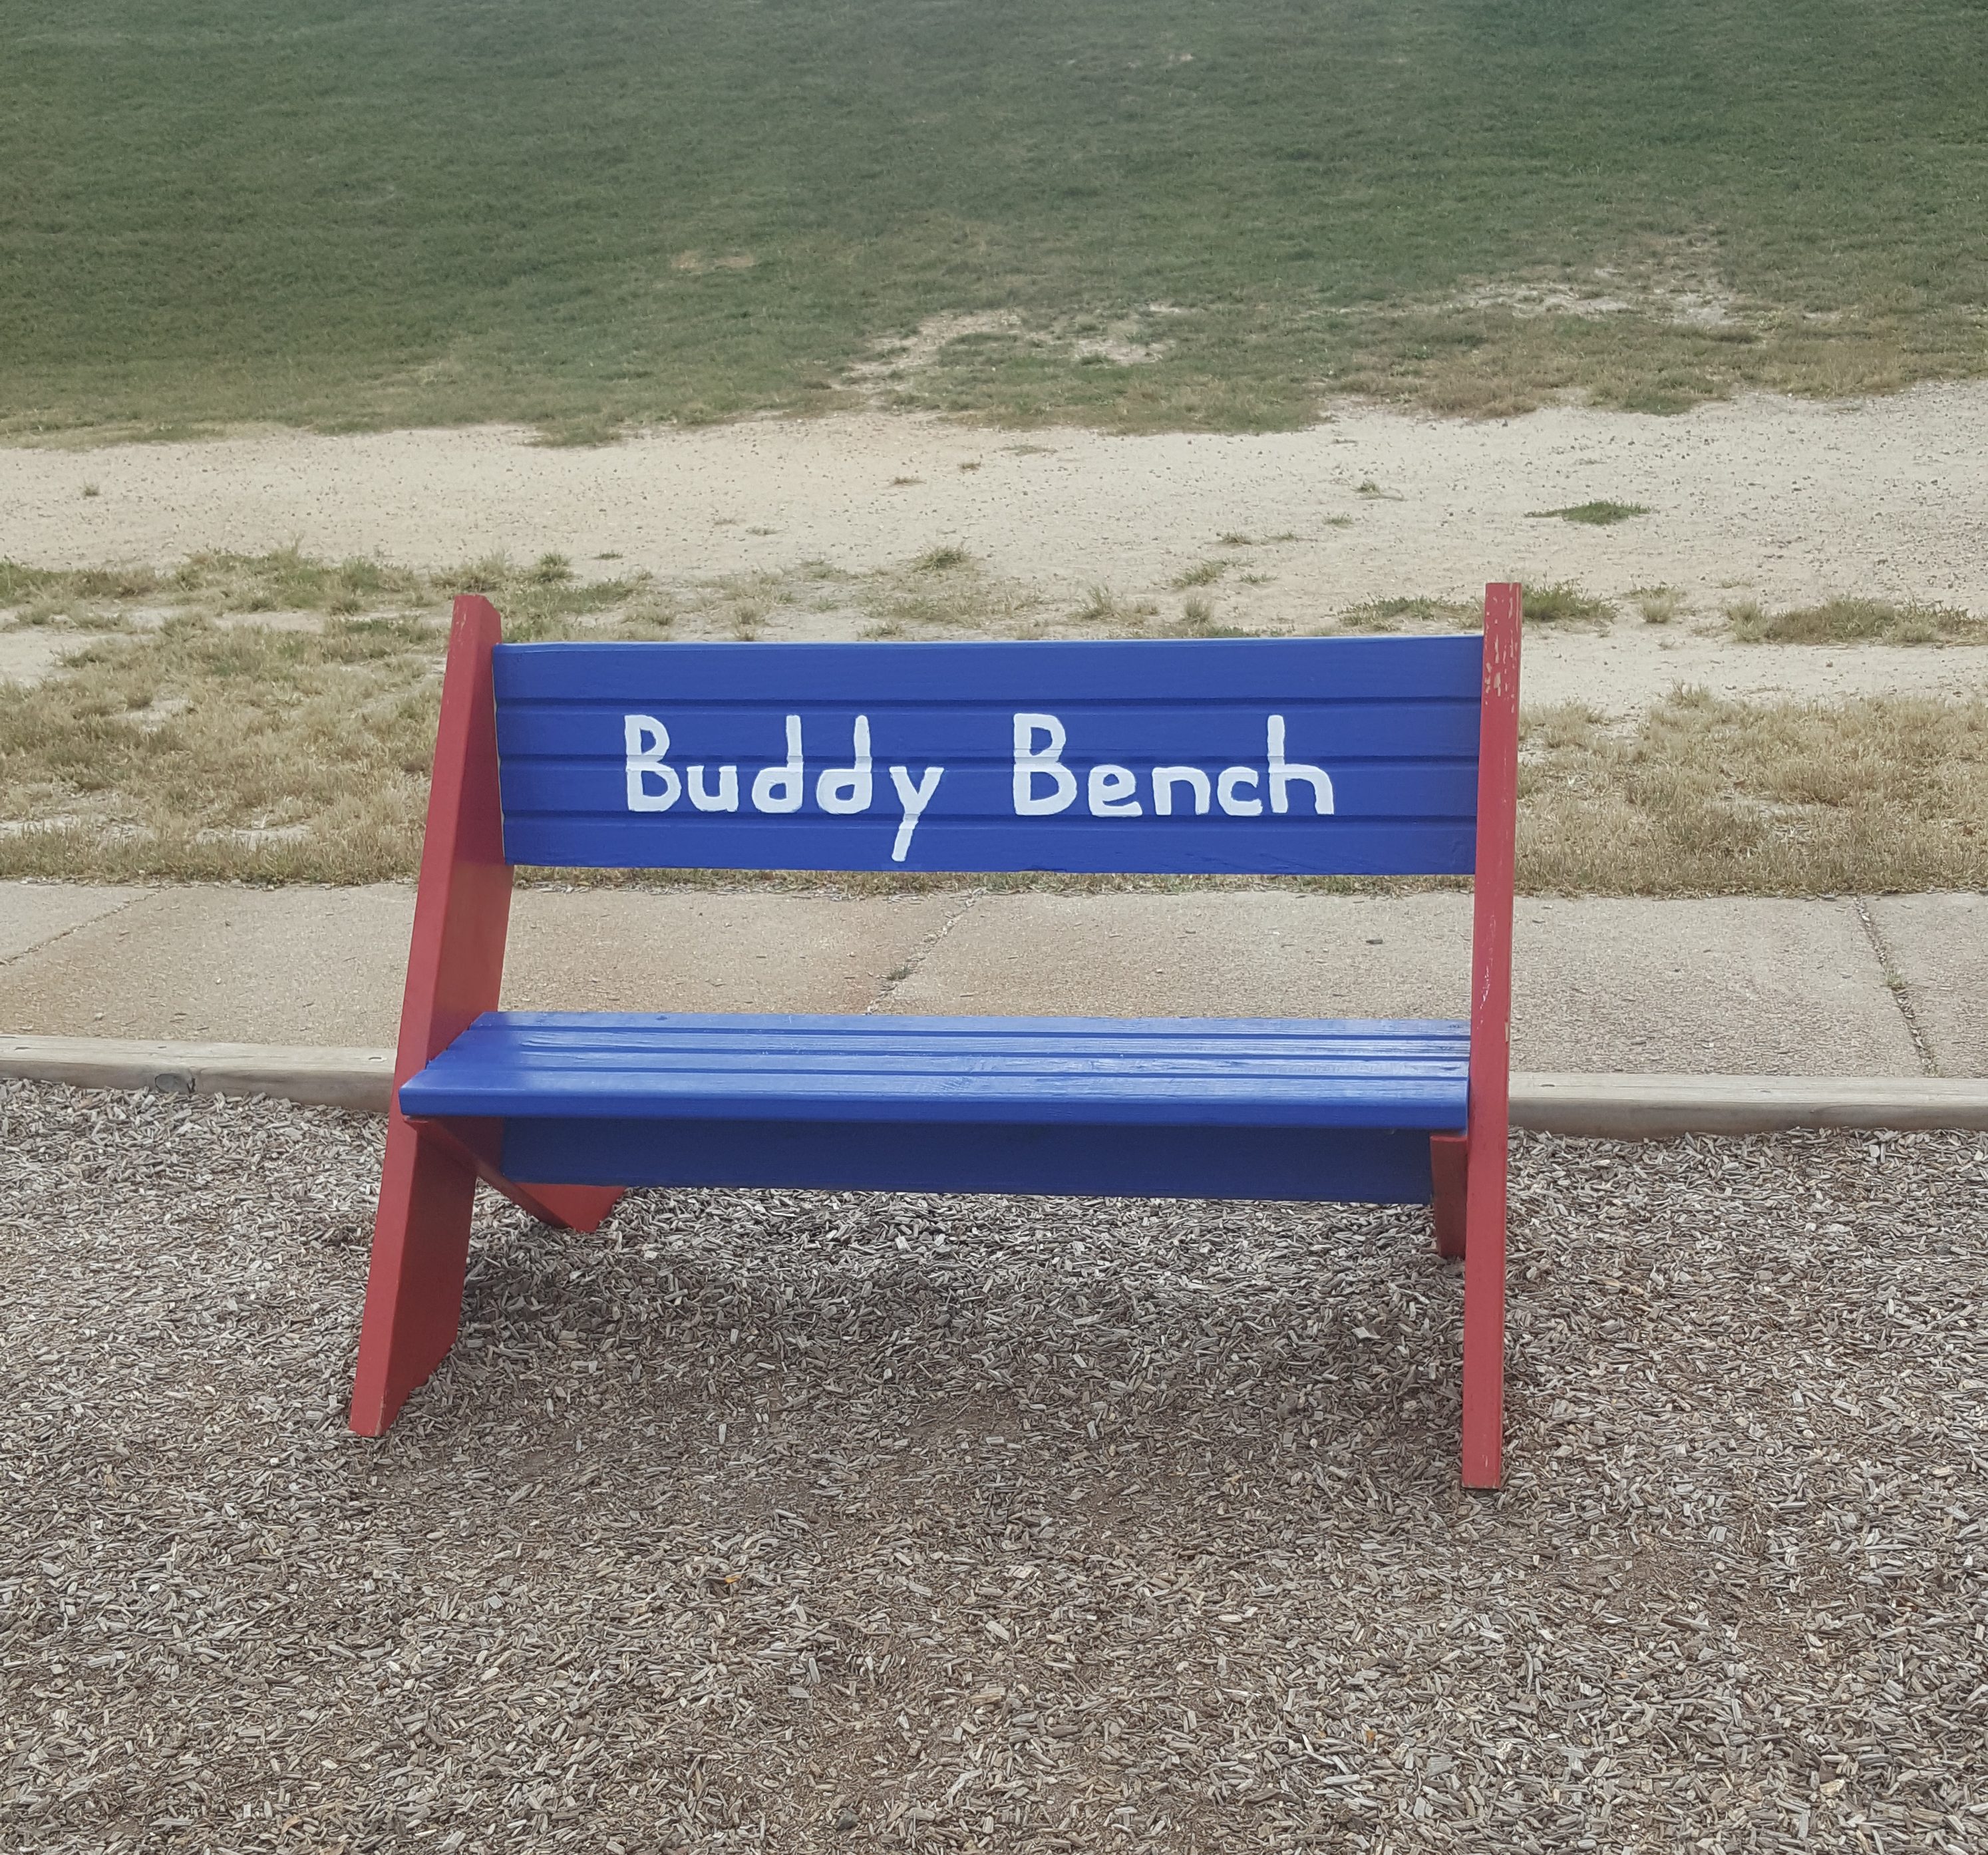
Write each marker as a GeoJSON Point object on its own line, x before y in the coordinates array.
{"type": "Point", "coordinates": [1309, 756]}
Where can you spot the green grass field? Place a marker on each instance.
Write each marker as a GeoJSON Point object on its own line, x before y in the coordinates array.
{"type": "Point", "coordinates": [349, 214]}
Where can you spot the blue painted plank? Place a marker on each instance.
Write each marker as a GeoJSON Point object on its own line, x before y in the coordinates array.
{"type": "Point", "coordinates": [1433, 1103]}
{"type": "Point", "coordinates": [1116, 670]}
{"type": "Point", "coordinates": [521, 1036]}
{"type": "Point", "coordinates": [1168, 847]}
{"type": "Point", "coordinates": [925, 1070]}
{"type": "Point", "coordinates": [1361, 1166]}
{"type": "Point", "coordinates": [969, 1025]}
{"type": "Point", "coordinates": [1274, 757]}
{"type": "Point", "coordinates": [715, 1054]}
{"type": "Point", "coordinates": [1143, 732]}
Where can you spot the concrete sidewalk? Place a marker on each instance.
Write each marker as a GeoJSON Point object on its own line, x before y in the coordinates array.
{"type": "Point", "coordinates": [1897, 986]}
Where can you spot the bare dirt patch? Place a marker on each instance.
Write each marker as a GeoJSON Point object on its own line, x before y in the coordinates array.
{"type": "Point", "coordinates": [815, 1521]}
{"type": "Point", "coordinates": [1786, 504]}
{"type": "Point", "coordinates": [27, 657]}
{"type": "Point", "coordinates": [897, 367]}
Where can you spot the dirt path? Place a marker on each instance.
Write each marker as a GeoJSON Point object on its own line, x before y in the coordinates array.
{"type": "Point", "coordinates": [1783, 501]}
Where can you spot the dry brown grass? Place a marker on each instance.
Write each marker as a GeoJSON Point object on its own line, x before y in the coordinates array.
{"type": "Point", "coordinates": [203, 751]}
{"type": "Point", "coordinates": [174, 743]}
{"type": "Point", "coordinates": [1856, 621]}
{"type": "Point", "coordinates": [1706, 796]}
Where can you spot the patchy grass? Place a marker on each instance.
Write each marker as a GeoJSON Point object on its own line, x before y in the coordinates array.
{"type": "Point", "coordinates": [1564, 603]}
{"type": "Point", "coordinates": [945, 590]}
{"type": "Point", "coordinates": [1593, 514]}
{"type": "Point", "coordinates": [1706, 796]}
{"type": "Point", "coordinates": [287, 580]}
{"type": "Point", "coordinates": [1385, 615]}
{"type": "Point", "coordinates": [590, 219]}
{"type": "Point", "coordinates": [1855, 621]}
{"type": "Point", "coordinates": [1102, 607]}
{"type": "Point", "coordinates": [943, 587]}
{"type": "Point", "coordinates": [1561, 604]}
{"type": "Point", "coordinates": [1657, 605]}
{"type": "Point", "coordinates": [1202, 573]}
{"type": "Point", "coordinates": [208, 752]}
{"type": "Point", "coordinates": [177, 742]}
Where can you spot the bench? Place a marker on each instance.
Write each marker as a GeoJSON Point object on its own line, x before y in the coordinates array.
{"type": "Point", "coordinates": [1370, 756]}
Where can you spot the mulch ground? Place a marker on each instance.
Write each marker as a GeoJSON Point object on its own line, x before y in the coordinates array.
{"type": "Point", "coordinates": [796, 1521]}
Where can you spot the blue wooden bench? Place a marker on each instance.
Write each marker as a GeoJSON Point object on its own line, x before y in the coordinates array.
{"type": "Point", "coordinates": [1368, 756]}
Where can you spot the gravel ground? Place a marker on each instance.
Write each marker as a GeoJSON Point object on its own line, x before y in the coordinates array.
{"type": "Point", "coordinates": [789, 1521]}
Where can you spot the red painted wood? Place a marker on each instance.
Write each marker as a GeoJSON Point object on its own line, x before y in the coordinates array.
{"type": "Point", "coordinates": [455, 970]}
{"type": "Point", "coordinates": [478, 1142]}
{"type": "Point", "coordinates": [1490, 1045]}
{"type": "Point", "coordinates": [1449, 1159]}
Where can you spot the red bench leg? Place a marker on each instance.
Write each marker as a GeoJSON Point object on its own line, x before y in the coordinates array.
{"type": "Point", "coordinates": [1449, 1157]}
{"type": "Point", "coordinates": [1490, 1045]}
{"type": "Point", "coordinates": [456, 971]}
{"type": "Point", "coordinates": [414, 1291]}
{"type": "Point", "coordinates": [1484, 1317]}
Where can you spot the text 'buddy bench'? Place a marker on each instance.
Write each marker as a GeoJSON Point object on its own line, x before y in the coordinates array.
{"type": "Point", "coordinates": [1302, 756]}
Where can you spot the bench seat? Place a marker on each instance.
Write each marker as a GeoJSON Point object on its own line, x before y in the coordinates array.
{"type": "Point", "coordinates": [1271, 1108]}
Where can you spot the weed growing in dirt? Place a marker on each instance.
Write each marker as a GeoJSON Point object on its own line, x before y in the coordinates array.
{"type": "Point", "coordinates": [1558, 604]}
{"type": "Point", "coordinates": [1423, 614]}
{"type": "Point", "coordinates": [1563, 603]}
{"type": "Point", "coordinates": [1202, 573]}
{"type": "Point", "coordinates": [1593, 514]}
{"type": "Point", "coordinates": [1102, 607]}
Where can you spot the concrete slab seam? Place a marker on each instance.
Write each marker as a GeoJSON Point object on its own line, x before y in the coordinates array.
{"type": "Point", "coordinates": [62, 933]}
{"type": "Point", "coordinates": [925, 949]}
{"type": "Point", "coordinates": [1894, 983]}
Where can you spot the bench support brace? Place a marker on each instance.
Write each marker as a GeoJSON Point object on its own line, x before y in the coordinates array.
{"type": "Point", "coordinates": [1450, 1162]}
{"type": "Point", "coordinates": [455, 972]}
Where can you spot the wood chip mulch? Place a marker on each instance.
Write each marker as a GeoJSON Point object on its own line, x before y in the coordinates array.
{"type": "Point", "coordinates": [788, 1521]}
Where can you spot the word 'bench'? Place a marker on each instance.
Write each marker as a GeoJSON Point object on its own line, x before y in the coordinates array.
{"type": "Point", "coordinates": [1312, 756]}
